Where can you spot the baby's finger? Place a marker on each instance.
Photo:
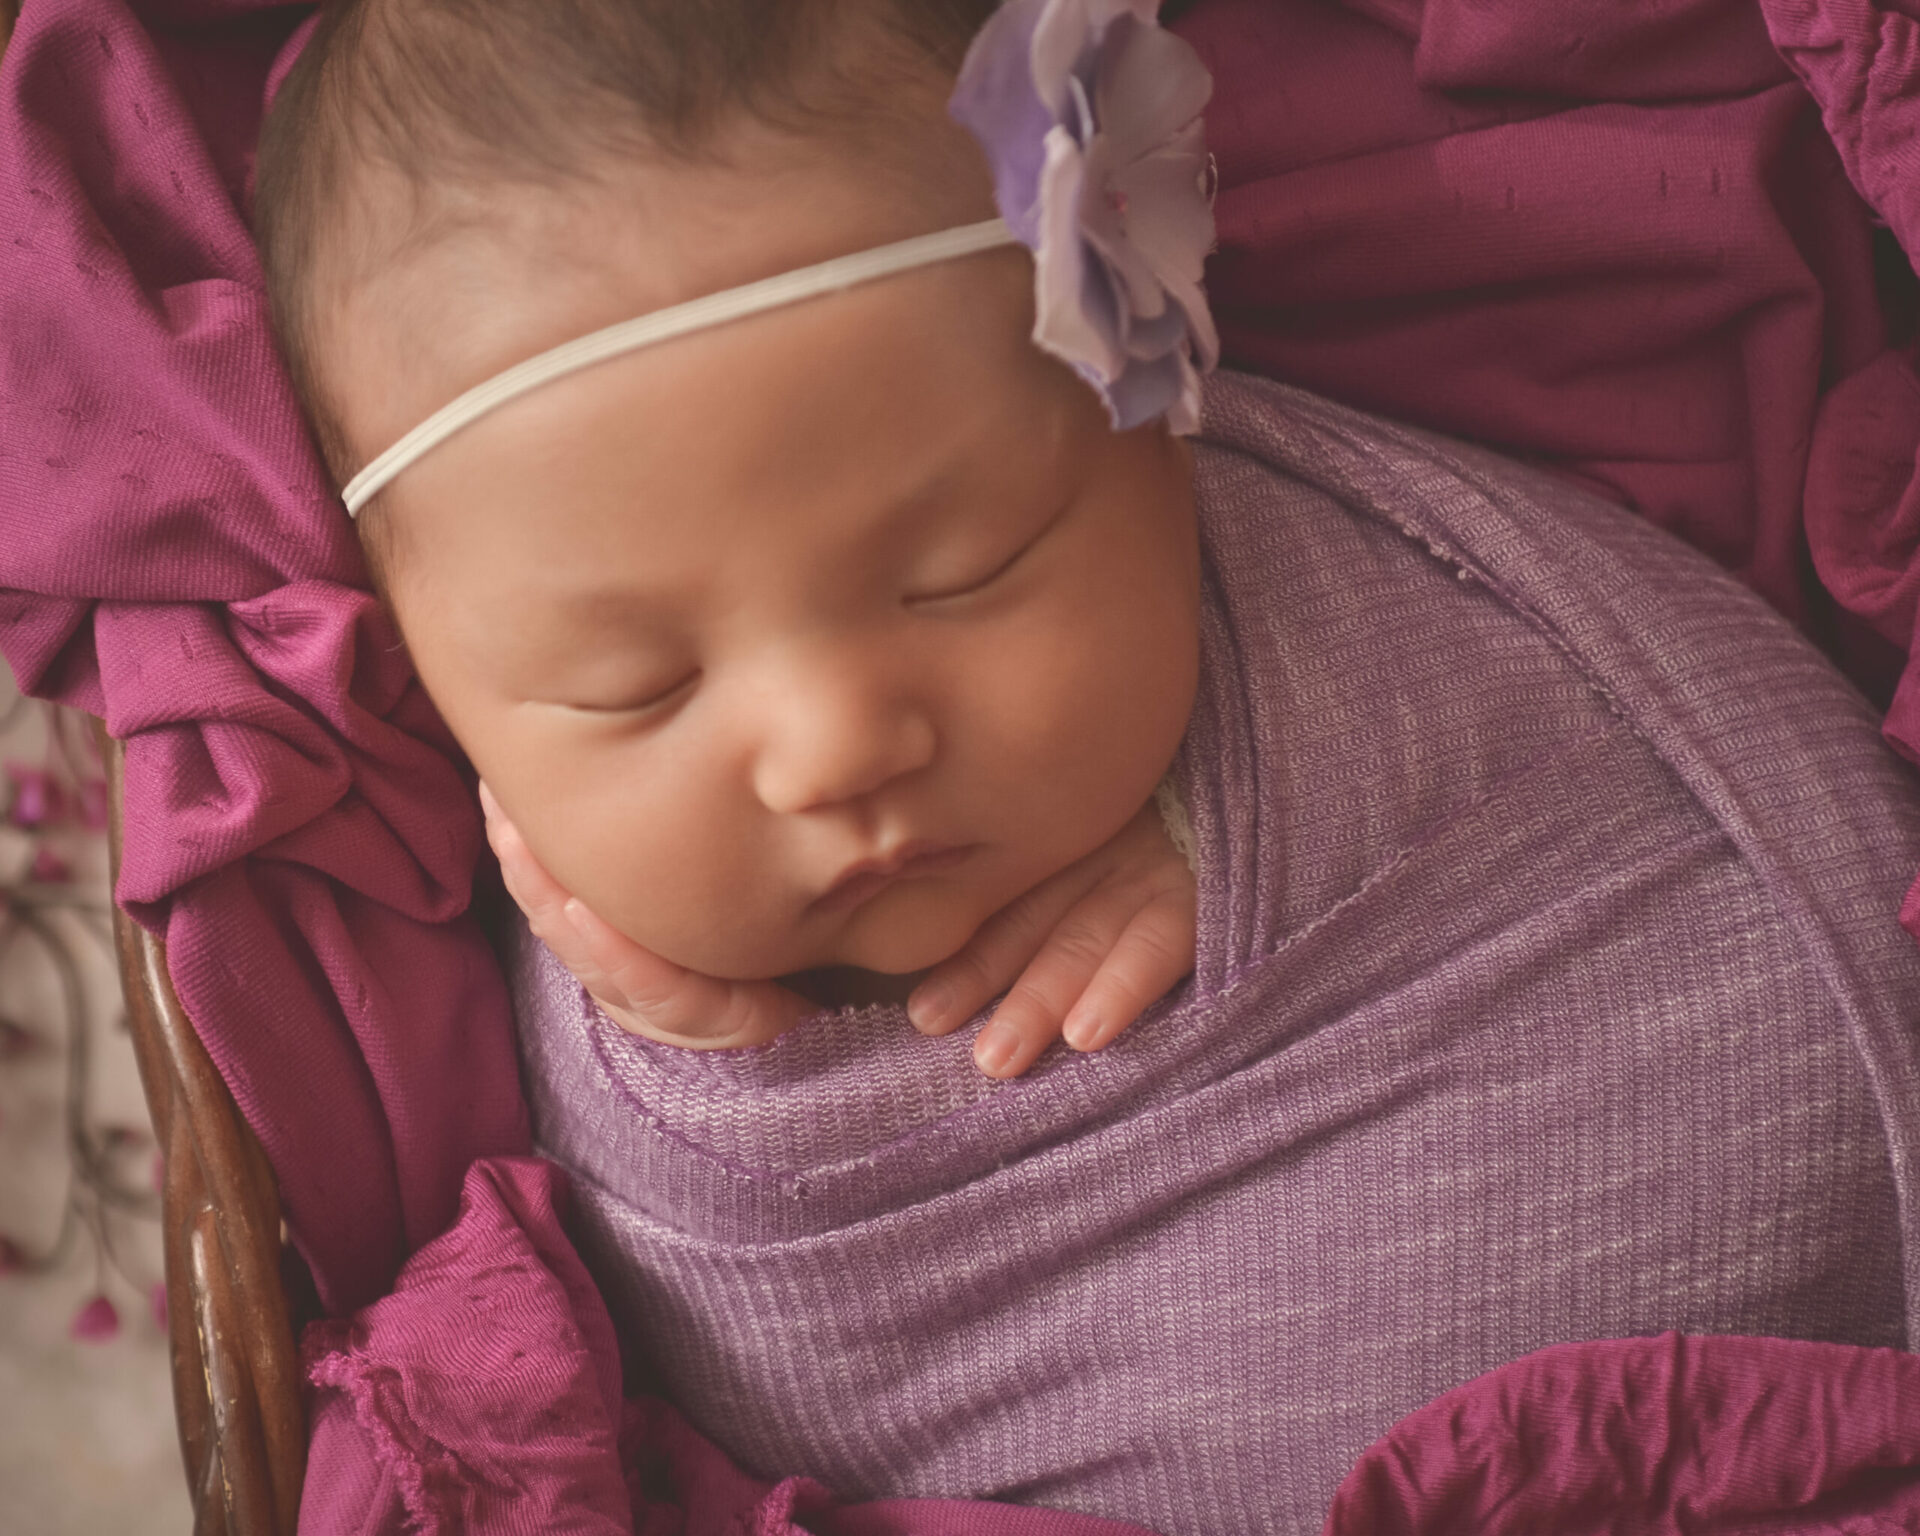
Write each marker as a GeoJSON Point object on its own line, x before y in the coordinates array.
{"type": "Point", "coordinates": [1154, 952]}
{"type": "Point", "coordinates": [957, 988]}
{"type": "Point", "coordinates": [534, 891]}
{"type": "Point", "coordinates": [1071, 956]}
{"type": "Point", "coordinates": [581, 942]}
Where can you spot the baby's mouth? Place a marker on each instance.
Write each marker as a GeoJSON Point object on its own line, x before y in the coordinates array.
{"type": "Point", "coordinates": [860, 881]}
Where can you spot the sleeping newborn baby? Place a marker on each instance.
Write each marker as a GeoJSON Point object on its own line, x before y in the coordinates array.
{"type": "Point", "coordinates": [854, 636]}
{"type": "Point", "coordinates": [817, 572]}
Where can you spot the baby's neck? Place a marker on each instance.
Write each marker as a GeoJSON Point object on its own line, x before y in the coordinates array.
{"type": "Point", "coordinates": [847, 986]}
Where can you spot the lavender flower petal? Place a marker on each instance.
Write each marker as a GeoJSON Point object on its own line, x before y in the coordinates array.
{"type": "Point", "coordinates": [1089, 115]}
{"type": "Point", "coordinates": [1065, 323]}
{"type": "Point", "coordinates": [995, 100]}
{"type": "Point", "coordinates": [1069, 33]}
{"type": "Point", "coordinates": [1149, 86]}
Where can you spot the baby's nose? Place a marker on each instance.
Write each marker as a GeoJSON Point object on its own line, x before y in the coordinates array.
{"type": "Point", "coordinates": [835, 737]}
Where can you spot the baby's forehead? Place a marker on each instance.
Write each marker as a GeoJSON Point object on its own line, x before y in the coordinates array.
{"type": "Point", "coordinates": [418, 316]}
{"type": "Point", "coordinates": [415, 171]}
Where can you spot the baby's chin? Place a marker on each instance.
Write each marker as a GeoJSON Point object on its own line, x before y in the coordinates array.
{"type": "Point", "coordinates": [908, 927]}
{"type": "Point", "coordinates": [903, 951]}
{"type": "Point", "coordinates": [901, 930]}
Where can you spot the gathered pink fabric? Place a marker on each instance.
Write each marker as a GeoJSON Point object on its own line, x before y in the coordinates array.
{"type": "Point", "coordinates": [1643, 267]}
{"type": "Point", "coordinates": [1861, 63]}
{"type": "Point", "coordinates": [1619, 240]}
{"type": "Point", "coordinates": [1667, 1436]}
{"type": "Point", "coordinates": [298, 825]}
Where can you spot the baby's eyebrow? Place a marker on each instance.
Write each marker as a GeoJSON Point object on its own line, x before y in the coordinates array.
{"type": "Point", "coordinates": [619, 603]}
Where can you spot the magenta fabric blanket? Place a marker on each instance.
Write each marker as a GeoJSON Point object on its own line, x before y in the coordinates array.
{"type": "Point", "coordinates": [299, 826]}
{"type": "Point", "coordinates": [1621, 240]}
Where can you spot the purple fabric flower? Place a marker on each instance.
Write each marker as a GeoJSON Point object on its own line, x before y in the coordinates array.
{"type": "Point", "coordinates": [1090, 117]}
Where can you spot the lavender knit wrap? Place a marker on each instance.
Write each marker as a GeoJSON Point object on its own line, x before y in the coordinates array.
{"type": "Point", "coordinates": [1549, 987]}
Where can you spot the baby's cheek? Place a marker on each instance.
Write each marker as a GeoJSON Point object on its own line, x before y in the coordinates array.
{"type": "Point", "coordinates": [1086, 726]}
{"type": "Point", "coordinates": [692, 906]}
{"type": "Point", "coordinates": [664, 865]}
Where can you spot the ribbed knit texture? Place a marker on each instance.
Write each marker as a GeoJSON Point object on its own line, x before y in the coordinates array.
{"type": "Point", "coordinates": [1549, 988]}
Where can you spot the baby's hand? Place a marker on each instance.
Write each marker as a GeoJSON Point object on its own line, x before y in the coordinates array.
{"type": "Point", "coordinates": [1092, 947]}
{"type": "Point", "coordinates": [639, 991]}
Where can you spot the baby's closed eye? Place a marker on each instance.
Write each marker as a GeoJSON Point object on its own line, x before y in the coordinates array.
{"type": "Point", "coordinates": [644, 699]}
{"type": "Point", "coordinates": [966, 586]}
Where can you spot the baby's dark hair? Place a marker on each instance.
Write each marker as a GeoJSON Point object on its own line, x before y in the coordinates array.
{"type": "Point", "coordinates": [448, 96]}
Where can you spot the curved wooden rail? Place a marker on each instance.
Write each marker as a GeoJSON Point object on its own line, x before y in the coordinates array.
{"type": "Point", "coordinates": [236, 1376]}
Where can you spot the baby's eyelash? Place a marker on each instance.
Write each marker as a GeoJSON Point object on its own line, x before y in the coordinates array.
{"type": "Point", "coordinates": [976, 585]}
{"type": "Point", "coordinates": [640, 706]}
{"type": "Point", "coordinates": [1006, 565]}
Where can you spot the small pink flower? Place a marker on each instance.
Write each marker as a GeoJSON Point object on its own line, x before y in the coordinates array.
{"type": "Point", "coordinates": [96, 1322]}
{"type": "Point", "coordinates": [36, 796]}
{"type": "Point", "coordinates": [118, 1139]}
{"type": "Point", "coordinates": [48, 867]}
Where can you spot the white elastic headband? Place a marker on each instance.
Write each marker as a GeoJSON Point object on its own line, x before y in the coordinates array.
{"type": "Point", "coordinates": [664, 325]}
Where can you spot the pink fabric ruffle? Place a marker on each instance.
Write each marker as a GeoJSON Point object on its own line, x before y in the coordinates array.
{"type": "Point", "coordinates": [482, 1398]}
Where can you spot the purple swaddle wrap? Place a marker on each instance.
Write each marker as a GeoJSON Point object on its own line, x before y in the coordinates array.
{"type": "Point", "coordinates": [1549, 988]}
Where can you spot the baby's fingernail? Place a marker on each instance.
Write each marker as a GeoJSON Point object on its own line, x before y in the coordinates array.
{"type": "Point", "coordinates": [928, 1007]}
{"type": "Point", "coordinates": [1082, 1030]}
{"type": "Point", "coordinates": [575, 912]}
{"type": "Point", "coordinates": [995, 1047]}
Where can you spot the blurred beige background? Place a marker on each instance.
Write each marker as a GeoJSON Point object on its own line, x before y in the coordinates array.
{"type": "Point", "coordinates": [87, 1440]}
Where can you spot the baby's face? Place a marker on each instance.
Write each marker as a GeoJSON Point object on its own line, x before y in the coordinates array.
{"type": "Point", "coordinates": [722, 619]}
